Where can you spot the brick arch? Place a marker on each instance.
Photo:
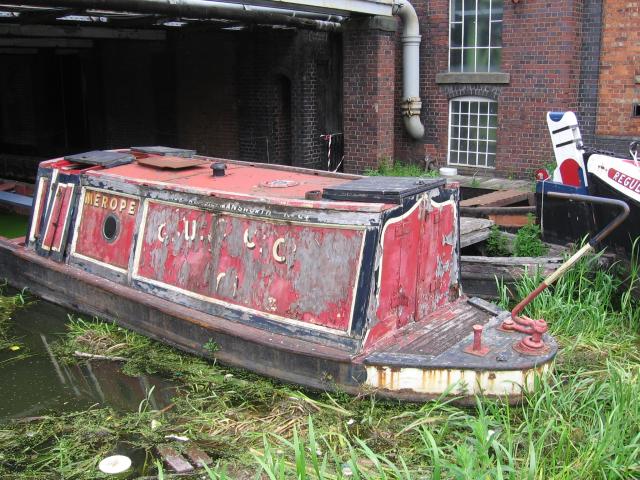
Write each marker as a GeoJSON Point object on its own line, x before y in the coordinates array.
{"type": "Point", "coordinates": [455, 91]}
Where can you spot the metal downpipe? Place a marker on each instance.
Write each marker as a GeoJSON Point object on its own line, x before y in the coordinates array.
{"type": "Point", "coordinates": [411, 105]}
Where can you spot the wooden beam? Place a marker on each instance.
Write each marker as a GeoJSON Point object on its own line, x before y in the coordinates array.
{"type": "Point", "coordinates": [72, 31]}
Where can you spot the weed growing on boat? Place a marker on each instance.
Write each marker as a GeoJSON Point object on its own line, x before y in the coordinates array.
{"type": "Point", "coordinates": [582, 422]}
{"type": "Point", "coordinates": [528, 242]}
{"type": "Point", "coordinates": [399, 169]}
{"type": "Point", "coordinates": [497, 243]}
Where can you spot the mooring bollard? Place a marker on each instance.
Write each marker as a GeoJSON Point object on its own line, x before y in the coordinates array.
{"type": "Point", "coordinates": [476, 347]}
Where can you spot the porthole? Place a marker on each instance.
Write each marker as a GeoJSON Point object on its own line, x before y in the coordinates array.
{"type": "Point", "coordinates": [111, 228]}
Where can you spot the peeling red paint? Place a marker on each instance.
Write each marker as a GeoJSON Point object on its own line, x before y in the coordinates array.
{"type": "Point", "coordinates": [415, 275]}
{"type": "Point", "coordinates": [91, 242]}
{"type": "Point", "coordinates": [302, 272]}
{"type": "Point", "coordinates": [57, 218]}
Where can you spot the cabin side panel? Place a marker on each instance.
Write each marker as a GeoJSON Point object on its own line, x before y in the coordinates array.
{"type": "Point", "coordinates": [437, 268]}
{"type": "Point", "coordinates": [106, 228]}
{"type": "Point", "coordinates": [306, 273]}
{"type": "Point", "coordinates": [418, 265]}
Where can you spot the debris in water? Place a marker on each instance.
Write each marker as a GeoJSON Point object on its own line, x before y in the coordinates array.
{"type": "Point", "coordinates": [115, 464]}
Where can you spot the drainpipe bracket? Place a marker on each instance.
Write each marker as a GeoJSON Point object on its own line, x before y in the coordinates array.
{"type": "Point", "coordinates": [411, 106]}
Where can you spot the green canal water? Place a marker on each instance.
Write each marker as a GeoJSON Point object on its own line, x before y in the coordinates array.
{"type": "Point", "coordinates": [38, 382]}
{"type": "Point", "coordinates": [41, 383]}
{"type": "Point", "coordinates": [13, 225]}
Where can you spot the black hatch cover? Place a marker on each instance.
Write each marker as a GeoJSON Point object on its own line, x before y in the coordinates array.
{"type": "Point", "coordinates": [102, 158]}
{"type": "Point", "coordinates": [381, 189]}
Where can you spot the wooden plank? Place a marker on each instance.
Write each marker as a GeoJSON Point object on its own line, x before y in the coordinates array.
{"type": "Point", "coordinates": [470, 225]}
{"type": "Point", "coordinates": [499, 198]}
{"type": "Point", "coordinates": [198, 457]}
{"type": "Point", "coordinates": [510, 220]}
{"type": "Point", "coordinates": [173, 459]}
{"type": "Point", "coordinates": [474, 230]}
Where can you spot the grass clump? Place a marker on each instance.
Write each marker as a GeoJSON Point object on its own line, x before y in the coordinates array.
{"type": "Point", "coordinates": [581, 422]}
{"type": "Point", "coordinates": [399, 169]}
{"type": "Point", "coordinates": [497, 243]}
{"type": "Point", "coordinates": [527, 242]}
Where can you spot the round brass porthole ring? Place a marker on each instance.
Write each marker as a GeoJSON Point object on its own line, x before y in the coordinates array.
{"type": "Point", "coordinates": [111, 228]}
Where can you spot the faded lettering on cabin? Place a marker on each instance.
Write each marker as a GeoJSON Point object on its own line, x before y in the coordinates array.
{"type": "Point", "coordinates": [302, 272]}
{"type": "Point", "coordinates": [110, 202]}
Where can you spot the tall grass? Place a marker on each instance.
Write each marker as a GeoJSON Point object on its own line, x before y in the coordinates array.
{"type": "Point", "coordinates": [581, 422]}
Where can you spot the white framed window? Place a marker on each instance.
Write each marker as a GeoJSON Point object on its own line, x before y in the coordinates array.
{"type": "Point", "coordinates": [473, 124]}
{"type": "Point", "coordinates": [475, 35]}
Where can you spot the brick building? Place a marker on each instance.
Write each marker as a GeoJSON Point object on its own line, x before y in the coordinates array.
{"type": "Point", "coordinates": [263, 89]}
{"type": "Point", "coordinates": [527, 58]}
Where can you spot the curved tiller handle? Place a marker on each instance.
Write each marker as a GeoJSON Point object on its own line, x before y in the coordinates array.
{"type": "Point", "coordinates": [533, 345]}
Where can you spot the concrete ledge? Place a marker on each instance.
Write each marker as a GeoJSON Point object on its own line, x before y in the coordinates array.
{"type": "Point", "coordinates": [500, 78]}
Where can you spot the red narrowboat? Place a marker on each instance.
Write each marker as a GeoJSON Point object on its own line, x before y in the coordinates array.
{"type": "Point", "coordinates": [322, 279]}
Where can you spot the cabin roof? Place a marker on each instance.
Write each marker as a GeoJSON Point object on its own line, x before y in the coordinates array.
{"type": "Point", "coordinates": [274, 184]}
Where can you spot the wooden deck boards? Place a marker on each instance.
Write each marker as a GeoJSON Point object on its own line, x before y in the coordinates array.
{"type": "Point", "coordinates": [474, 230]}
{"type": "Point", "coordinates": [499, 198]}
{"type": "Point", "coordinates": [437, 333]}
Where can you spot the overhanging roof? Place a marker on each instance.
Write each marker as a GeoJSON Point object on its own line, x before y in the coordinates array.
{"type": "Point", "coordinates": [316, 14]}
{"type": "Point", "coordinates": [343, 7]}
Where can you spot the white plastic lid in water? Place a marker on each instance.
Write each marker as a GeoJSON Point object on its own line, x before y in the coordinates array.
{"type": "Point", "coordinates": [448, 171]}
{"type": "Point", "coordinates": [115, 464]}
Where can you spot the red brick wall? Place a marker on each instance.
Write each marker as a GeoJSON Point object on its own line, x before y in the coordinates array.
{"type": "Point", "coordinates": [541, 52]}
{"type": "Point", "coordinates": [368, 102]}
{"type": "Point", "coordinates": [620, 64]}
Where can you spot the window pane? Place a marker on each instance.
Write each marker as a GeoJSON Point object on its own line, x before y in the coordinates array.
{"type": "Point", "coordinates": [484, 107]}
{"type": "Point", "coordinates": [455, 107]}
{"type": "Point", "coordinates": [469, 8]}
{"type": "Point", "coordinates": [455, 62]}
{"type": "Point", "coordinates": [482, 60]}
{"type": "Point", "coordinates": [472, 159]}
{"type": "Point", "coordinates": [491, 160]}
{"type": "Point", "coordinates": [456, 7]}
{"type": "Point", "coordinates": [456, 34]}
{"type": "Point", "coordinates": [470, 31]}
{"type": "Point", "coordinates": [469, 60]}
{"type": "Point", "coordinates": [496, 55]}
{"type": "Point", "coordinates": [483, 33]}
{"type": "Point", "coordinates": [483, 23]}
{"type": "Point", "coordinates": [473, 107]}
{"type": "Point", "coordinates": [492, 134]}
{"type": "Point", "coordinates": [464, 107]}
{"type": "Point", "coordinates": [496, 9]}
{"type": "Point", "coordinates": [455, 132]}
{"type": "Point", "coordinates": [496, 34]}
{"type": "Point", "coordinates": [493, 110]}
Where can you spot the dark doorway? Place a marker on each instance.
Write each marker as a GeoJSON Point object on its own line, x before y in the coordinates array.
{"type": "Point", "coordinates": [73, 96]}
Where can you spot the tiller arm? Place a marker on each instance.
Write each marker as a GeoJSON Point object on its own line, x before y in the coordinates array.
{"type": "Point", "coordinates": [533, 344]}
